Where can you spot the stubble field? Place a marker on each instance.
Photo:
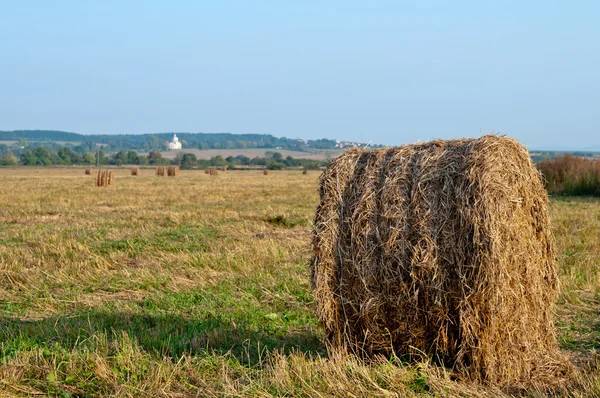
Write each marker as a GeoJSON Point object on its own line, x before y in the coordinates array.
{"type": "Point", "coordinates": [198, 285]}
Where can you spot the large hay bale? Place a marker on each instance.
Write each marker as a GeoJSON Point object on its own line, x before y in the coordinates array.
{"type": "Point", "coordinates": [173, 171]}
{"type": "Point", "coordinates": [135, 171]}
{"type": "Point", "coordinates": [160, 171]}
{"type": "Point", "coordinates": [266, 172]}
{"type": "Point", "coordinates": [104, 178]}
{"type": "Point", "coordinates": [444, 249]}
{"type": "Point", "coordinates": [88, 171]}
{"type": "Point", "coordinates": [213, 171]}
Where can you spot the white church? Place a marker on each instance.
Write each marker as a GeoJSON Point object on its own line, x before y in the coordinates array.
{"type": "Point", "coordinates": [175, 144]}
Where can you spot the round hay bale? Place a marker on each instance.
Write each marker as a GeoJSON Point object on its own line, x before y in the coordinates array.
{"type": "Point", "coordinates": [206, 171]}
{"type": "Point", "coordinates": [266, 172]}
{"type": "Point", "coordinates": [104, 178]}
{"type": "Point", "coordinates": [88, 171]}
{"type": "Point", "coordinates": [444, 249]}
{"type": "Point", "coordinates": [304, 172]}
{"type": "Point", "coordinates": [135, 171]}
{"type": "Point", "coordinates": [213, 171]}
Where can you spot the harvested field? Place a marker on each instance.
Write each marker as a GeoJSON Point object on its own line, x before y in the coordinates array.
{"type": "Point", "coordinates": [197, 286]}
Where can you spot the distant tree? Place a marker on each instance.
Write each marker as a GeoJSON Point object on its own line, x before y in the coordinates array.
{"type": "Point", "coordinates": [23, 143]}
{"type": "Point", "coordinates": [88, 158]}
{"type": "Point", "coordinates": [29, 159]}
{"type": "Point", "coordinates": [132, 157]}
{"type": "Point", "coordinates": [43, 156]}
{"type": "Point", "coordinates": [9, 159]}
{"type": "Point", "coordinates": [188, 161]}
{"type": "Point", "coordinates": [218, 161]}
{"type": "Point", "coordinates": [64, 154]}
{"type": "Point", "coordinates": [120, 158]}
{"type": "Point", "coordinates": [154, 157]}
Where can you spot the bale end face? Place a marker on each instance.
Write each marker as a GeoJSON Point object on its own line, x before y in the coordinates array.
{"type": "Point", "coordinates": [441, 248]}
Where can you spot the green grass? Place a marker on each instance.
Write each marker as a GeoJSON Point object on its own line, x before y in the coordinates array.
{"type": "Point", "coordinates": [198, 286]}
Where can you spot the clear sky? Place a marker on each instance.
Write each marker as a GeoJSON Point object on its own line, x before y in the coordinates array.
{"type": "Point", "coordinates": [388, 71]}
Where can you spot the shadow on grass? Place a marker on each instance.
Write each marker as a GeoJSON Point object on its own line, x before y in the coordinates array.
{"type": "Point", "coordinates": [159, 335]}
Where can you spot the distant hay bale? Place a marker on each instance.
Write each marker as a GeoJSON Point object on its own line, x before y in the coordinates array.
{"type": "Point", "coordinates": [266, 172]}
{"type": "Point", "coordinates": [173, 171]}
{"type": "Point", "coordinates": [213, 171]}
{"type": "Point", "coordinates": [160, 171]}
{"type": "Point", "coordinates": [224, 168]}
{"type": "Point", "coordinates": [88, 171]}
{"type": "Point", "coordinates": [444, 249]}
{"type": "Point", "coordinates": [304, 172]}
{"type": "Point", "coordinates": [104, 178]}
{"type": "Point", "coordinates": [135, 171]}
{"type": "Point", "coordinates": [206, 171]}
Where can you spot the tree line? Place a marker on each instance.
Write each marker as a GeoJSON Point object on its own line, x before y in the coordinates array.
{"type": "Point", "coordinates": [66, 156]}
{"type": "Point", "coordinates": [149, 142]}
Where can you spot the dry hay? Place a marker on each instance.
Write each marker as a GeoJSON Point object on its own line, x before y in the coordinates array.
{"type": "Point", "coordinates": [206, 171]}
{"type": "Point", "coordinates": [224, 168]}
{"type": "Point", "coordinates": [88, 172]}
{"type": "Point", "coordinates": [440, 249]}
{"type": "Point", "coordinates": [135, 171]}
{"type": "Point", "coordinates": [104, 178]}
{"type": "Point", "coordinates": [266, 172]}
{"type": "Point", "coordinates": [304, 172]}
{"type": "Point", "coordinates": [160, 171]}
{"type": "Point", "coordinates": [173, 171]}
{"type": "Point", "coordinates": [212, 171]}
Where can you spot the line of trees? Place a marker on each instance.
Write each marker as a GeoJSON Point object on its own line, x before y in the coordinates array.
{"type": "Point", "coordinates": [42, 156]}
{"type": "Point", "coordinates": [150, 142]}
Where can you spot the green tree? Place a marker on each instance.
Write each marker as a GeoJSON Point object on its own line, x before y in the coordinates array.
{"type": "Point", "coordinates": [188, 161]}
{"type": "Point", "coordinates": [88, 158]}
{"type": "Point", "coordinates": [154, 157]}
{"type": "Point", "coordinates": [65, 155]}
{"type": "Point", "coordinates": [120, 158]}
{"type": "Point", "coordinates": [132, 157]}
{"type": "Point", "coordinates": [218, 161]}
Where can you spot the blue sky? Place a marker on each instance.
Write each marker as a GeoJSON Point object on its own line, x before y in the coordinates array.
{"type": "Point", "coordinates": [388, 71]}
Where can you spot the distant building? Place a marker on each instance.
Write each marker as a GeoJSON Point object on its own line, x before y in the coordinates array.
{"type": "Point", "coordinates": [175, 144]}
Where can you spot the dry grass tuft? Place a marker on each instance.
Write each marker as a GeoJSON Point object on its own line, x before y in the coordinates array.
{"type": "Point", "coordinates": [135, 171]}
{"type": "Point", "coordinates": [442, 250]}
{"type": "Point", "coordinates": [173, 171]}
{"type": "Point", "coordinates": [104, 178]}
{"type": "Point", "coordinates": [161, 170]}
